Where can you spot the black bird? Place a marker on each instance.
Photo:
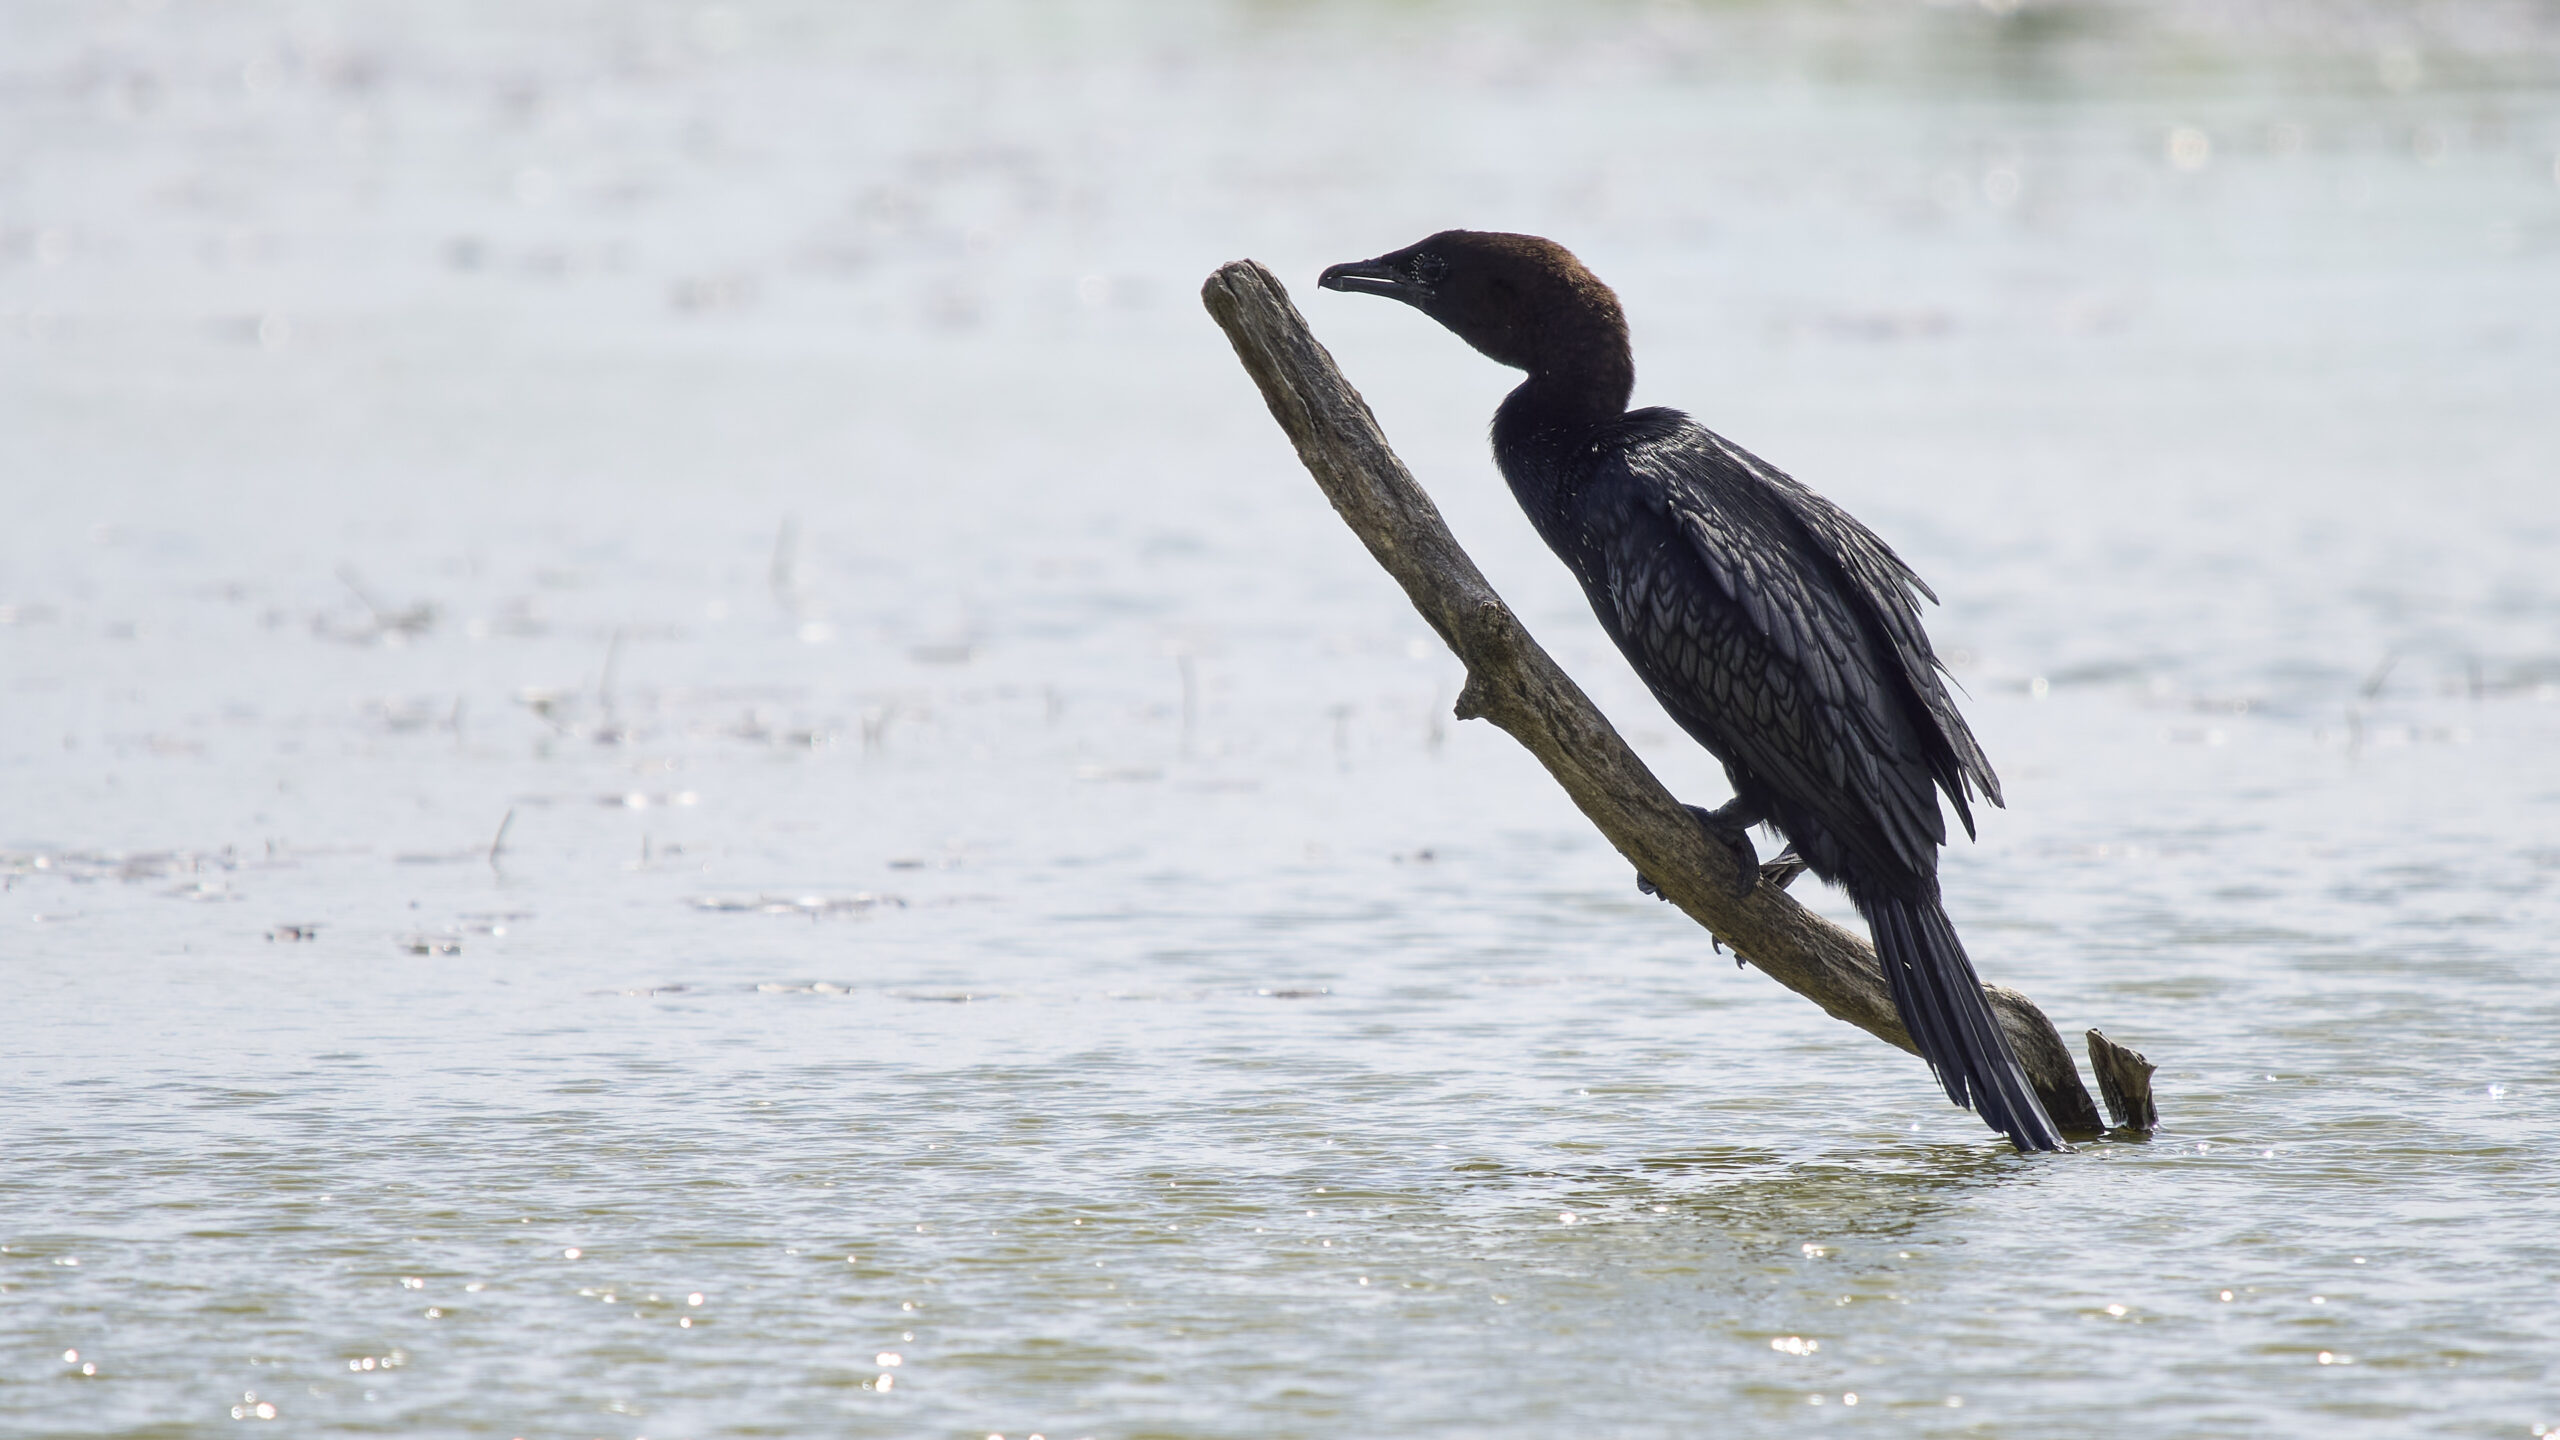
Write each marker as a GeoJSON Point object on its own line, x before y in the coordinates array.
{"type": "Point", "coordinates": [1779, 632]}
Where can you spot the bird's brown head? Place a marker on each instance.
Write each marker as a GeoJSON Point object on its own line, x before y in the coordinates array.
{"type": "Point", "coordinates": [1520, 299]}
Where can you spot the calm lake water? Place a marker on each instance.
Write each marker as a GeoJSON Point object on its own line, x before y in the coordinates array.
{"type": "Point", "coordinates": [681, 759]}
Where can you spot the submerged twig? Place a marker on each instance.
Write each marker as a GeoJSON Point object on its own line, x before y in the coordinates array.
{"type": "Point", "coordinates": [418, 619]}
{"type": "Point", "coordinates": [1190, 697]}
{"type": "Point", "coordinates": [784, 574]}
{"type": "Point", "coordinates": [1514, 683]}
{"type": "Point", "coordinates": [2371, 689]}
{"type": "Point", "coordinates": [612, 669]}
{"type": "Point", "coordinates": [381, 612]}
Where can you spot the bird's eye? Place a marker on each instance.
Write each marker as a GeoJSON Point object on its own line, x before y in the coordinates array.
{"type": "Point", "coordinates": [1430, 269]}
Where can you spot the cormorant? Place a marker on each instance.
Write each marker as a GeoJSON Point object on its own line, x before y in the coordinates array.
{"type": "Point", "coordinates": [1779, 632]}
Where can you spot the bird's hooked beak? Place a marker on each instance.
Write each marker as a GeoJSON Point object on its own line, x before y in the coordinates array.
{"type": "Point", "coordinates": [1373, 277]}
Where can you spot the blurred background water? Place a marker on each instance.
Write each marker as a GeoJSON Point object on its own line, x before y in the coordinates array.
{"type": "Point", "coordinates": [681, 759]}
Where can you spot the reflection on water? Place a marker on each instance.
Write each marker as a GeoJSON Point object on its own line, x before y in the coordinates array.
{"type": "Point", "coordinates": [683, 760]}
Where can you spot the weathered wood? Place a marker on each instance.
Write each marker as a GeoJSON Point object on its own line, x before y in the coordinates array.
{"type": "Point", "coordinates": [1514, 683]}
{"type": "Point", "coordinates": [2124, 1077]}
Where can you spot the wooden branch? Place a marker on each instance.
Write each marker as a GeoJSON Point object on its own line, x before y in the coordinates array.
{"type": "Point", "coordinates": [2124, 1077]}
{"type": "Point", "coordinates": [1515, 684]}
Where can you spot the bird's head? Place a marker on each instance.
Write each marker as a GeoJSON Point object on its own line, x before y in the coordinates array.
{"type": "Point", "coordinates": [1520, 299]}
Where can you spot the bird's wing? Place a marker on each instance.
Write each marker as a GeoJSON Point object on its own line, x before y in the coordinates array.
{"type": "Point", "coordinates": [1772, 659]}
{"type": "Point", "coordinates": [1891, 589]}
{"type": "Point", "coordinates": [1882, 588]}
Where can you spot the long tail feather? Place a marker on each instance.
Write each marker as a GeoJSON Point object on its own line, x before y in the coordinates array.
{"type": "Point", "coordinates": [1942, 1005]}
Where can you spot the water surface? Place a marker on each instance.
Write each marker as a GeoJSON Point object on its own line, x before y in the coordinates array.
{"type": "Point", "coordinates": [682, 760]}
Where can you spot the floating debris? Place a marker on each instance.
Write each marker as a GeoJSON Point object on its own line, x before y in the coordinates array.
{"type": "Point", "coordinates": [491, 923]}
{"type": "Point", "coordinates": [384, 624]}
{"type": "Point", "coordinates": [952, 861]}
{"type": "Point", "coordinates": [408, 717]}
{"type": "Point", "coordinates": [86, 866]}
{"type": "Point", "coordinates": [294, 932]}
{"type": "Point", "coordinates": [430, 944]}
{"type": "Point", "coordinates": [812, 905]}
{"type": "Point", "coordinates": [440, 857]}
{"type": "Point", "coordinates": [567, 713]}
{"type": "Point", "coordinates": [639, 800]}
{"type": "Point", "coordinates": [922, 997]}
{"type": "Point", "coordinates": [1315, 993]}
{"type": "Point", "coordinates": [1124, 774]}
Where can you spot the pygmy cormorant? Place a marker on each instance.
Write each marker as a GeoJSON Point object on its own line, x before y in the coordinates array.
{"type": "Point", "coordinates": [1779, 632]}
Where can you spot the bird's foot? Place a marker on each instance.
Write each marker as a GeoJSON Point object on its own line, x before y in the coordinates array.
{"type": "Point", "coordinates": [1727, 827]}
{"type": "Point", "coordinates": [1782, 872]}
{"type": "Point", "coordinates": [1733, 835]}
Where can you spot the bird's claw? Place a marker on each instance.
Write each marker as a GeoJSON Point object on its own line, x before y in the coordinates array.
{"type": "Point", "coordinates": [1735, 839]}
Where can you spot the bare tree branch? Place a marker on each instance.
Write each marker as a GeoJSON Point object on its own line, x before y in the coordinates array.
{"type": "Point", "coordinates": [1515, 684]}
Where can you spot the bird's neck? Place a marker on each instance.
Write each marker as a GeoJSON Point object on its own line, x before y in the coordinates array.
{"type": "Point", "coordinates": [1544, 438]}
{"type": "Point", "coordinates": [1579, 379]}
{"type": "Point", "coordinates": [1555, 404]}
{"type": "Point", "coordinates": [1575, 386]}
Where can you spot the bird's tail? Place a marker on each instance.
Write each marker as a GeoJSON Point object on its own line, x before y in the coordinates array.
{"type": "Point", "coordinates": [1943, 1007]}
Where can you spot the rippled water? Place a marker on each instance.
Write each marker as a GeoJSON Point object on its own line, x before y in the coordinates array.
{"type": "Point", "coordinates": [681, 759]}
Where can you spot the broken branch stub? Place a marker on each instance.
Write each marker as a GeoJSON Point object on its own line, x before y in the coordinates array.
{"type": "Point", "coordinates": [2124, 1077]}
{"type": "Point", "coordinates": [1515, 684]}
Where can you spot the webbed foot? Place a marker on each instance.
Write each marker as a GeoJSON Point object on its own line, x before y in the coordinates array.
{"type": "Point", "coordinates": [1782, 872]}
